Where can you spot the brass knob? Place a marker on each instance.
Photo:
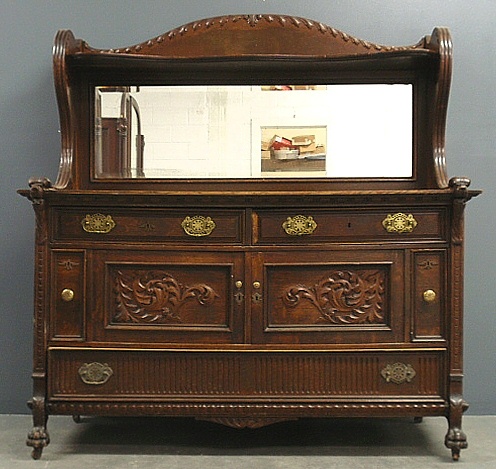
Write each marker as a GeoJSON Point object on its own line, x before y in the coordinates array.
{"type": "Point", "coordinates": [239, 284]}
{"type": "Point", "coordinates": [67, 294]}
{"type": "Point", "coordinates": [256, 285]}
{"type": "Point", "coordinates": [429, 296]}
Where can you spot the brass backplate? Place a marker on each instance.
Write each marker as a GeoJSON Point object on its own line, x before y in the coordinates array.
{"type": "Point", "coordinates": [98, 223]}
{"type": "Point", "coordinates": [198, 225]}
{"type": "Point", "coordinates": [299, 225]}
{"type": "Point", "coordinates": [399, 223]}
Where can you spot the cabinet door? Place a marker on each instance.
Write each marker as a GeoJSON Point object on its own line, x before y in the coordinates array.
{"type": "Point", "coordinates": [165, 297]}
{"type": "Point", "coordinates": [334, 297]}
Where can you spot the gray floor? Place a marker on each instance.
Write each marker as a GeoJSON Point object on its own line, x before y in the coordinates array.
{"type": "Point", "coordinates": [181, 443]}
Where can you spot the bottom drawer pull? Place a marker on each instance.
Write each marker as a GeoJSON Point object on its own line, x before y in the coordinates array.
{"type": "Point", "coordinates": [95, 373]}
{"type": "Point", "coordinates": [398, 373]}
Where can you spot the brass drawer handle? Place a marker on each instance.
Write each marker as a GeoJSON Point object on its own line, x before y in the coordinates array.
{"type": "Point", "coordinates": [98, 223]}
{"type": "Point", "coordinates": [198, 226]}
{"type": "Point", "coordinates": [299, 225]}
{"type": "Point", "coordinates": [95, 373]}
{"type": "Point", "coordinates": [398, 373]}
{"type": "Point", "coordinates": [399, 223]}
{"type": "Point", "coordinates": [67, 295]}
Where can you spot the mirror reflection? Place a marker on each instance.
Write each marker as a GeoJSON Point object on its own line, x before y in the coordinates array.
{"type": "Point", "coordinates": [254, 131]}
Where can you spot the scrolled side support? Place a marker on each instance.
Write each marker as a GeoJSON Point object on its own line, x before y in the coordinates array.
{"type": "Point", "coordinates": [64, 44]}
{"type": "Point", "coordinates": [440, 41]}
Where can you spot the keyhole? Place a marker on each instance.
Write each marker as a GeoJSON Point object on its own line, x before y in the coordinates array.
{"type": "Point", "coordinates": [349, 224]}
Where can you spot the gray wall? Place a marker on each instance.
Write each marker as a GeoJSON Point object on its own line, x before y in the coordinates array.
{"type": "Point", "coordinates": [30, 141]}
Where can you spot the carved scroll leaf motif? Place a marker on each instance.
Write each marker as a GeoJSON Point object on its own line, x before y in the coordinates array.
{"type": "Point", "coordinates": [398, 373]}
{"type": "Point", "coordinates": [343, 297]}
{"type": "Point", "coordinates": [95, 373]}
{"type": "Point", "coordinates": [155, 297]}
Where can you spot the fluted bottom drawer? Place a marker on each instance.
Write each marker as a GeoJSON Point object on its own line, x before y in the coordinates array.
{"type": "Point", "coordinates": [243, 375]}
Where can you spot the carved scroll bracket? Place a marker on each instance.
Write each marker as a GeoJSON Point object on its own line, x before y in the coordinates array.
{"type": "Point", "coordinates": [460, 186]}
{"type": "Point", "coordinates": [37, 187]}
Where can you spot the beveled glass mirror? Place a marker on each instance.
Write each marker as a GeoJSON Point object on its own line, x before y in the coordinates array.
{"type": "Point", "coordinates": [254, 131]}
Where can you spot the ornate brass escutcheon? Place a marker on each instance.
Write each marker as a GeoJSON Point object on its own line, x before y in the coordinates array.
{"type": "Point", "coordinates": [399, 223]}
{"type": "Point", "coordinates": [398, 373]}
{"type": "Point", "coordinates": [239, 297]}
{"type": "Point", "coordinates": [98, 223]}
{"type": "Point", "coordinates": [299, 225]}
{"type": "Point", "coordinates": [256, 298]}
{"type": "Point", "coordinates": [95, 373]}
{"type": "Point", "coordinates": [198, 225]}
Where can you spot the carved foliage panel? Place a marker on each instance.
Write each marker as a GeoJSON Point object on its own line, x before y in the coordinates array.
{"type": "Point", "coordinates": [341, 296]}
{"type": "Point", "coordinates": [164, 296]}
{"type": "Point", "coordinates": [168, 295]}
{"type": "Point", "coordinates": [332, 297]}
{"type": "Point", "coordinates": [329, 295]}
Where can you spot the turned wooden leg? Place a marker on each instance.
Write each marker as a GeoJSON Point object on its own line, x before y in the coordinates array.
{"type": "Point", "coordinates": [455, 439]}
{"type": "Point", "coordinates": [38, 437]}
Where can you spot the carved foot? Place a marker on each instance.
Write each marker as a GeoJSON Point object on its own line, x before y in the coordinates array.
{"type": "Point", "coordinates": [76, 418]}
{"type": "Point", "coordinates": [418, 419]}
{"type": "Point", "coordinates": [455, 440]}
{"type": "Point", "coordinates": [38, 438]}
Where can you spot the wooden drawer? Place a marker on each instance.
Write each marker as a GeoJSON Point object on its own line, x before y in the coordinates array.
{"type": "Point", "coordinates": [288, 376]}
{"type": "Point", "coordinates": [320, 226]}
{"type": "Point", "coordinates": [149, 225]}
